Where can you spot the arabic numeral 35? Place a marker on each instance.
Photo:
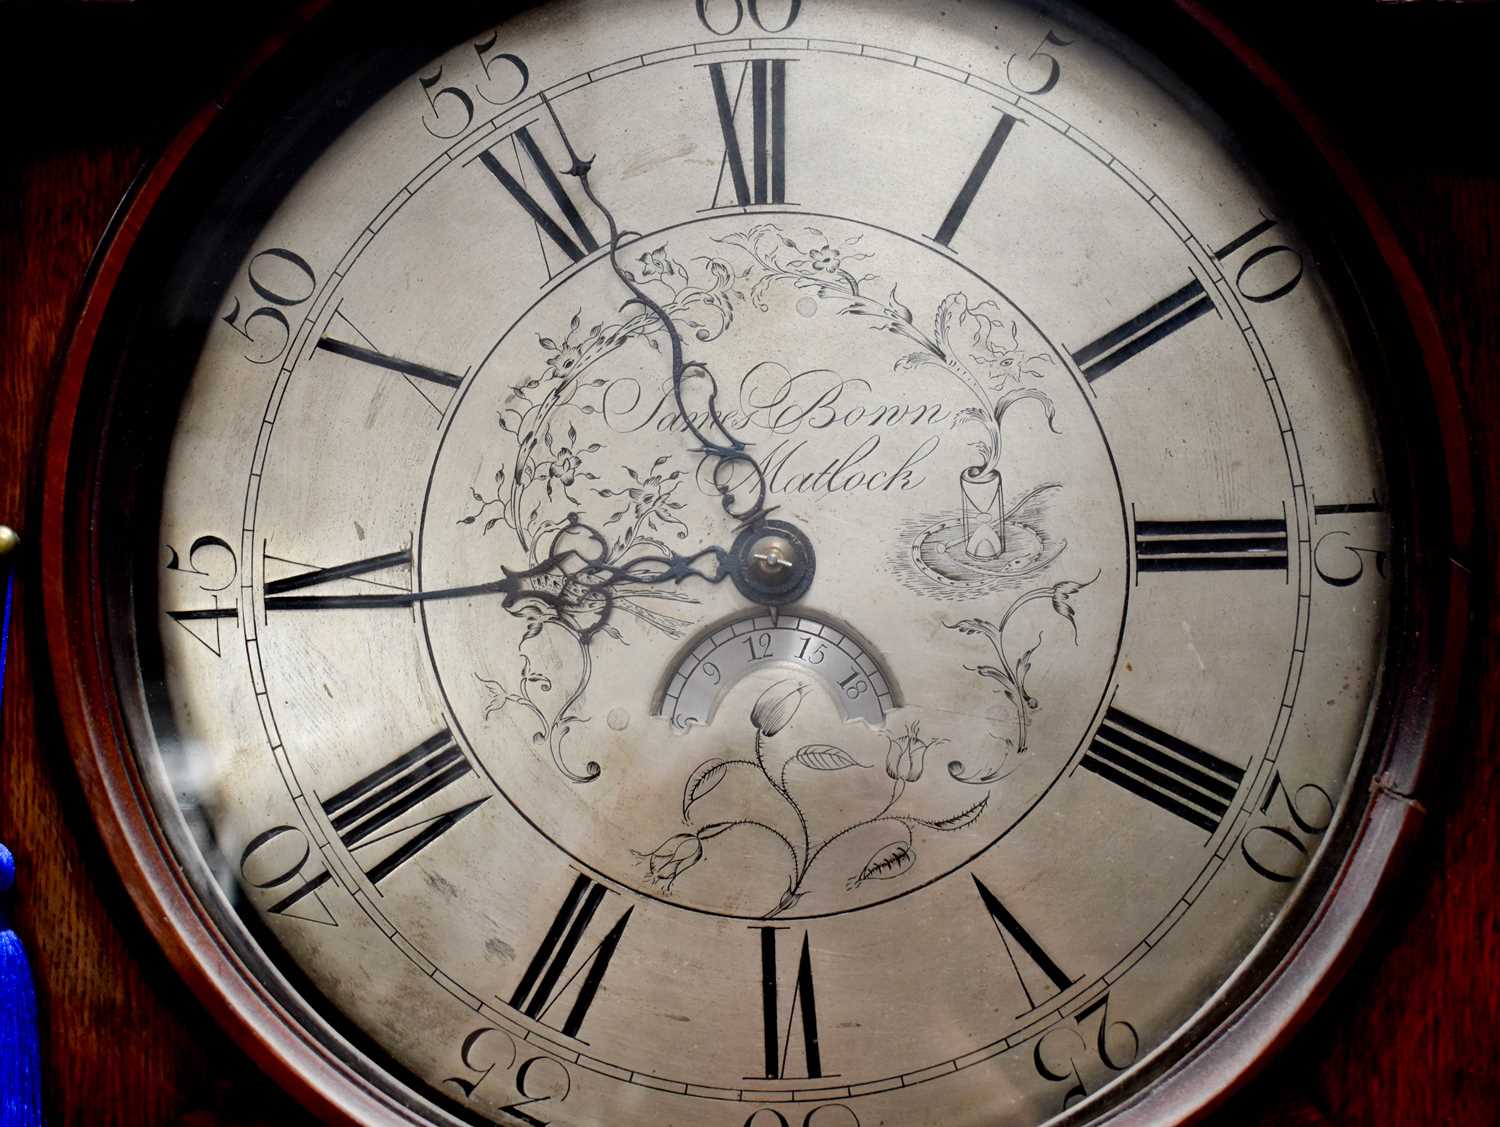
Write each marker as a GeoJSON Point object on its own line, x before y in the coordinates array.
{"type": "Point", "coordinates": [1279, 850]}
{"type": "Point", "coordinates": [1062, 1053]}
{"type": "Point", "coordinates": [281, 279]}
{"type": "Point", "coordinates": [539, 1080]}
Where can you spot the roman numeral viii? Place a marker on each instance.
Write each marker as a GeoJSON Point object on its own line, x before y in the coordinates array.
{"type": "Point", "coordinates": [1179, 778]}
{"type": "Point", "coordinates": [1211, 545]}
{"type": "Point", "coordinates": [543, 982]}
{"type": "Point", "coordinates": [371, 810]}
{"type": "Point", "coordinates": [804, 1005]}
{"type": "Point", "coordinates": [760, 178]}
{"type": "Point", "coordinates": [576, 241]}
{"type": "Point", "coordinates": [1148, 327]}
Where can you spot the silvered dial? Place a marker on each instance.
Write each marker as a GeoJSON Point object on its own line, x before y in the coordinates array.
{"type": "Point", "coordinates": [762, 563]}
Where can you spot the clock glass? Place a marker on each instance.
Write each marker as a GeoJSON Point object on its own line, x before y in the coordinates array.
{"type": "Point", "coordinates": [765, 562]}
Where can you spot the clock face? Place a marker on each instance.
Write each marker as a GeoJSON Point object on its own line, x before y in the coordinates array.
{"type": "Point", "coordinates": [763, 563]}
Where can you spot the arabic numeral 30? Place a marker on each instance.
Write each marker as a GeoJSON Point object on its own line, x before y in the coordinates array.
{"type": "Point", "coordinates": [824, 1115]}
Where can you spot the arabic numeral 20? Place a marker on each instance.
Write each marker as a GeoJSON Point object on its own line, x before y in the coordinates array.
{"type": "Point", "coordinates": [1279, 849]}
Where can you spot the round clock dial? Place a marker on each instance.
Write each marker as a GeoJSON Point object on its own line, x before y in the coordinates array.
{"type": "Point", "coordinates": [763, 563]}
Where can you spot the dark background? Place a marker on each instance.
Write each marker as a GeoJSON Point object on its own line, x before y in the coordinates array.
{"type": "Point", "coordinates": [89, 90]}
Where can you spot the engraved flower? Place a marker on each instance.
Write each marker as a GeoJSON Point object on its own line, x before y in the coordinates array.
{"type": "Point", "coordinates": [659, 266]}
{"type": "Point", "coordinates": [907, 756]}
{"type": "Point", "coordinates": [826, 260]}
{"type": "Point", "coordinates": [565, 358]}
{"type": "Point", "coordinates": [774, 708]}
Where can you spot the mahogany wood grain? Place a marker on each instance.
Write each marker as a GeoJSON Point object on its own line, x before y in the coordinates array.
{"type": "Point", "coordinates": [1408, 1038]}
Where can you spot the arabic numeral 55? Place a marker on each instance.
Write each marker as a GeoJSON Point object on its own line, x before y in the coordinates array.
{"type": "Point", "coordinates": [1279, 849]}
{"type": "Point", "coordinates": [280, 279]}
{"type": "Point", "coordinates": [502, 79]}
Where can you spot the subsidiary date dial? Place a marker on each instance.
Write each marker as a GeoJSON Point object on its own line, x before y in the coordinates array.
{"type": "Point", "coordinates": [793, 643]}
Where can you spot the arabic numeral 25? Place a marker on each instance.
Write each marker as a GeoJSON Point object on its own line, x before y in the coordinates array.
{"type": "Point", "coordinates": [280, 279]}
{"type": "Point", "coordinates": [1062, 1053]}
{"type": "Point", "coordinates": [1279, 849]}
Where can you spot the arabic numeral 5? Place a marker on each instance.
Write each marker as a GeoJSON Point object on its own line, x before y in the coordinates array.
{"type": "Point", "coordinates": [1279, 850]}
{"type": "Point", "coordinates": [282, 280]}
{"type": "Point", "coordinates": [824, 1115]}
{"type": "Point", "coordinates": [724, 17]}
{"type": "Point", "coordinates": [538, 1080]}
{"type": "Point", "coordinates": [1039, 59]}
{"type": "Point", "coordinates": [1062, 1053]}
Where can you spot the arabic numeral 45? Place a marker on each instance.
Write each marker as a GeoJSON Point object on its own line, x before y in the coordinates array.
{"type": "Point", "coordinates": [1279, 848]}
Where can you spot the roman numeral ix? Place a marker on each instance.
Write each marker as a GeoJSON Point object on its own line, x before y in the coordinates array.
{"type": "Point", "coordinates": [1179, 778]}
{"type": "Point", "coordinates": [283, 594]}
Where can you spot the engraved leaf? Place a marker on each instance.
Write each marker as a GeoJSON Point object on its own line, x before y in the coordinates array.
{"type": "Point", "coordinates": [959, 821]}
{"type": "Point", "coordinates": [886, 863]}
{"type": "Point", "coordinates": [704, 778]}
{"type": "Point", "coordinates": [826, 757]}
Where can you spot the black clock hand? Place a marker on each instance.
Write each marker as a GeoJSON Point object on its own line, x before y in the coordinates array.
{"type": "Point", "coordinates": [729, 452]}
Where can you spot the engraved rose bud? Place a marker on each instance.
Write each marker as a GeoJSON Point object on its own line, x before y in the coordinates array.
{"type": "Point", "coordinates": [907, 757]}
{"type": "Point", "coordinates": [775, 707]}
{"type": "Point", "coordinates": [678, 854]}
{"type": "Point", "coordinates": [671, 859]}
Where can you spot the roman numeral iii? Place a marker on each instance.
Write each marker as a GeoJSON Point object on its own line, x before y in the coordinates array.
{"type": "Point", "coordinates": [1181, 779]}
{"type": "Point", "coordinates": [1211, 545]}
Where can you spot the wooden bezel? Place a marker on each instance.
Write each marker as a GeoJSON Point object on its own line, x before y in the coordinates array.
{"type": "Point", "coordinates": [1428, 464]}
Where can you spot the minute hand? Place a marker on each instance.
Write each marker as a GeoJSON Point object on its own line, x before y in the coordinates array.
{"type": "Point", "coordinates": [728, 451]}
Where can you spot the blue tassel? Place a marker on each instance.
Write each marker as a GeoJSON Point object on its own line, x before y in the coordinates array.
{"type": "Point", "coordinates": [20, 1057]}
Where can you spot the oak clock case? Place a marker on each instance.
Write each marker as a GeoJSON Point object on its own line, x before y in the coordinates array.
{"type": "Point", "coordinates": [671, 563]}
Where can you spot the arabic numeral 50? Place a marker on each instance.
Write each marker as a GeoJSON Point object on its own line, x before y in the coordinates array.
{"type": "Point", "coordinates": [280, 279]}
{"type": "Point", "coordinates": [1279, 850]}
